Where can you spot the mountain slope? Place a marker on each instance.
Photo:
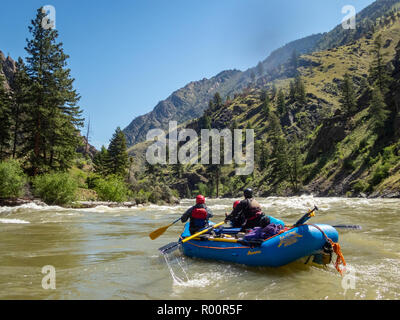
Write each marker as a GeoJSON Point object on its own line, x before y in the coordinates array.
{"type": "Point", "coordinates": [184, 104]}
{"type": "Point", "coordinates": [338, 153]}
{"type": "Point", "coordinates": [191, 101]}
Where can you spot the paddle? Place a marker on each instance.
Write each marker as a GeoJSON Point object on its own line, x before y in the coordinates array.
{"type": "Point", "coordinates": [307, 216]}
{"type": "Point", "coordinates": [156, 233]}
{"type": "Point", "coordinates": [311, 213]}
{"type": "Point", "coordinates": [170, 247]}
{"type": "Point", "coordinates": [348, 226]}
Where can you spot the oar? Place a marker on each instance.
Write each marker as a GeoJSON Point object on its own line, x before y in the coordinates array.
{"type": "Point", "coordinates": [170, 247]}
{"type": "Point", "coordinates": [156, 233]}
{"type": "Point", "coordinates": [307, 216]}
{"type": "Point", "coordinates": [348, 226]}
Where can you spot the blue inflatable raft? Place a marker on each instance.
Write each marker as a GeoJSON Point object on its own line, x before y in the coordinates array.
{"type": "Point", "coordinates": [302, 241]}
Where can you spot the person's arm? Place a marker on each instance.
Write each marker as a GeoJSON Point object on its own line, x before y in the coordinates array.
{"type": "Point", "coordinates": [235, 211]}
{"type": "Point", "coordinates": [209, 213]}
{"type": "Point", "coordinates": [186, 215]}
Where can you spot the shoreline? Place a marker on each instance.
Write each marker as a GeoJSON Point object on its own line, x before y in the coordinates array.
{"type": "Point", "coordinates": [129, 204]}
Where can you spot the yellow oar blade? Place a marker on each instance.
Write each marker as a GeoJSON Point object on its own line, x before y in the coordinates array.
{"type": "Point", "coordinates": [156, 233]}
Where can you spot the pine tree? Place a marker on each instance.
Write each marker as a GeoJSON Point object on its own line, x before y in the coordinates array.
{"type": "Point", "coordinates": [216, 172]}
{"type": "Point", "coordinates": [266, 105]}
{"type": "Point", "coordinates": [279, 147]}
{"type": "Point", "coordinates": [295, 164]}
{"type": "Point", "coordinates": [217, 100]}
{"type": "Point", "coordinates": [205, 122]}
{"type": "Point", "coordinates": [262, 154]}
{"type": "Point", "coordinates": [273, 92]}
{"type": "Point", "coordinates": [21, 88]}
{"type": "Point", "coordinates": [53, 117]}
{"type": "Point", "coordinates": [263, 95]}
{"type": "Point", "coordinates": [378, 109]}
{"type": "Point", "coordinates": [378, 72]}
{"type": "Point", "coordinates": [117, 154]}
{"type": "Point", "coordinates": [300, 90]}
{"type": "Point", "coordinates": [100, 161]}
{"type": "Point", "coordinates": [348, 95]}
{"type": "Point", "coordinates": [281, 105]}
{"type": "Point", "coordinates": [292, 91]}
{"type": "Point", "coordinates": [5, 119]}
{"type": "Point", "coordinates": [210, 106]}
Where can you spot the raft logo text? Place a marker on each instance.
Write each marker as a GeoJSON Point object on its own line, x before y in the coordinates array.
{"type": "Point", "coordinates": [289, 239]}
{"type": "Point", "coordinates": [188, 152]}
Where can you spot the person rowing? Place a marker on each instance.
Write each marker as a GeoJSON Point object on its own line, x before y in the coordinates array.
{"type": "Point", "coordinates": [248, 212]}
{"type": "Point", "coordinates": [237, 221]}
{"type": "Point", "coordinates": [199, 215]}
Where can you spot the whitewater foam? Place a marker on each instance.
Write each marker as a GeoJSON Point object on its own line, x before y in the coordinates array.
{"type": "Point", "coordinates": [17, 221]}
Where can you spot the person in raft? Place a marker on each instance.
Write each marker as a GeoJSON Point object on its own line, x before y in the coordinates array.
{"type": "Point", "coordinates": [249, 211]}
{"type": "Point", "coordinates": [237, 221]}
{"type": "Point", "coordinates": [198, 214]}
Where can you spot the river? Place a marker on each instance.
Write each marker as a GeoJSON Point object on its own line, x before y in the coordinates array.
{"type": "Point", "coordinates": [105, 253]}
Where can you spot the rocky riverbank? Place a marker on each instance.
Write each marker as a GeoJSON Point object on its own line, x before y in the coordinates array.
{"type": "Point", "coordinates": [77, 204]}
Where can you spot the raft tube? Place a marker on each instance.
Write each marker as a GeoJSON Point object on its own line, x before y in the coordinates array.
{"type": "Point", "coordinates": [291, 245]}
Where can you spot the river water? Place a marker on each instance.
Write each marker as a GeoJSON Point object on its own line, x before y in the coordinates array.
{"type": "Point", "coordinates": [105, 253]}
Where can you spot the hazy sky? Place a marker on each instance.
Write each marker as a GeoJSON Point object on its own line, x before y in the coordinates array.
{"type": "Point", "coordinates": [127, 55]}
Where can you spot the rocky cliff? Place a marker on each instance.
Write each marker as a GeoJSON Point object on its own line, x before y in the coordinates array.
{"type": "Point", "coordinates": [7, 68]}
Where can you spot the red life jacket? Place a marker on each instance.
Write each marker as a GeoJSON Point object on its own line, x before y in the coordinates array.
{"type": "Point", "coordinates": [199, 213]}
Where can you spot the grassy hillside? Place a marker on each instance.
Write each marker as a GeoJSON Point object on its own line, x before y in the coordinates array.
{"type": "Point", "coordinates": [327, 150]}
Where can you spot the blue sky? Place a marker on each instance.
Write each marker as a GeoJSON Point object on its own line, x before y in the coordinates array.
{"type": "Point", "coordinates": [127, 55]}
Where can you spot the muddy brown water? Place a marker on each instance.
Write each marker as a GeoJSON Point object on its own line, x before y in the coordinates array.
{"type": "Point", "coordinates": [105, 253]}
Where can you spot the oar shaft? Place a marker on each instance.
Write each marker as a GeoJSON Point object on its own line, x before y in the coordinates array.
{"type": "Point", "coordinates": [175, 221]}
{"type": "Point", "coordinates": [305, 217]}
{"type": "Point", "coordinates": [202, 231]}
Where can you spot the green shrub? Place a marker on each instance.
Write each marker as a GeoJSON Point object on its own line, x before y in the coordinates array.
{"type": "Point", "coordinates": [12, 179]}
{"type": "Point", "coordinates": [91, 180]}
{"type": "Point", "coordinates": [360, 186]}
{"type": "Point", "coordinates": [142, 196]}
{"type": "Point", "coordinates": [203, 189]}
{"type": "Point", "coordinates": [348, 164]}
{"type": "Point", "coordinates": [156, 195]}
{"type": "Point", "coordinates": [381, 172]}
{"type": "Point", "coordinates": [372, 160]}
{"type": "Point", "coordinates": [112, 189]}
{"type": "Point", "coordinates": [80, 163]}
{"type": "Point", "coordinates": [55, 188]}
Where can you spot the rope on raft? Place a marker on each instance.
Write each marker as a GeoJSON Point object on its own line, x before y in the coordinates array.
{"type": "Point", "coordinates": [336, 248]}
